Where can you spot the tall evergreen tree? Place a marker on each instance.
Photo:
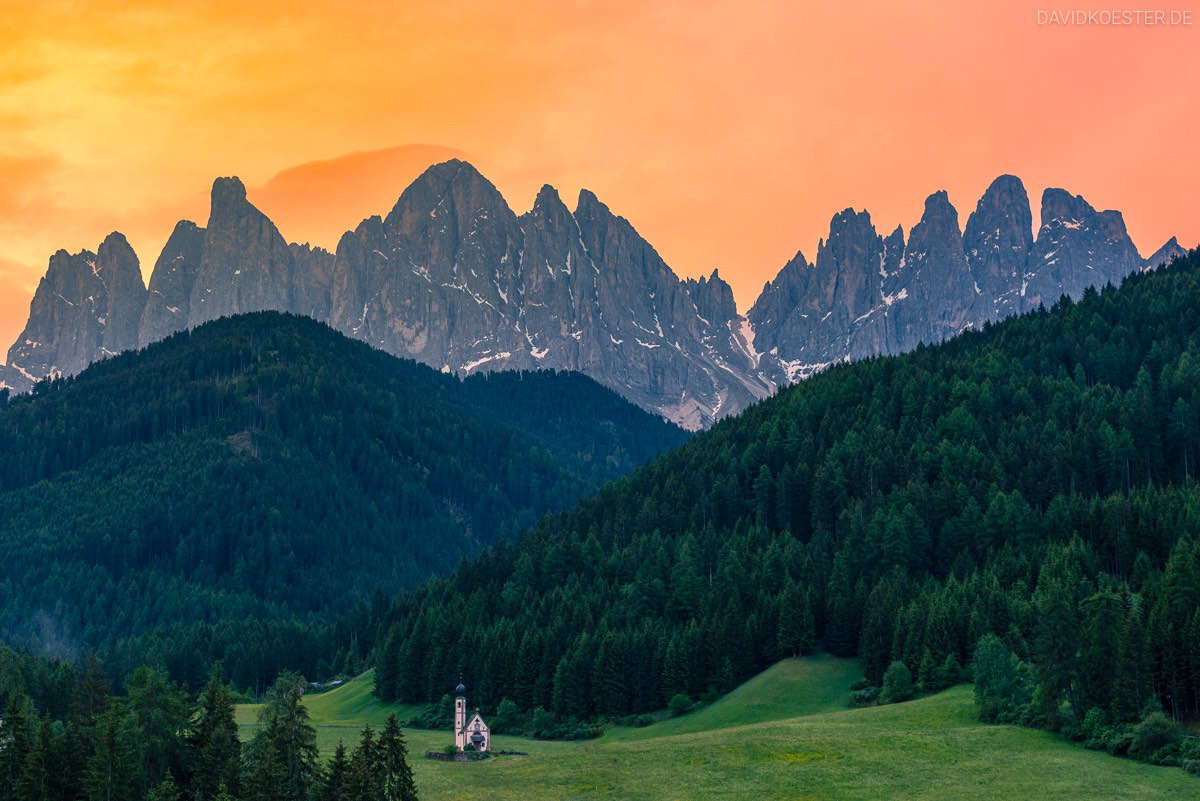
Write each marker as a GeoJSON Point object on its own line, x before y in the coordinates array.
{"type": "Point", "coordinates": [113, 770]}
{"type": "Point", "coordinates": [335, 787]}
{"type": "Point", "coordinates": [14, 744]}
{"type": "Point", "coordinates": [393, 769]}
{"type": "Point", "coordinates": [213, 745]}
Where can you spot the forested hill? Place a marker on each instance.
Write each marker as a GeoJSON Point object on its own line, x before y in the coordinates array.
{"type": "Point", "coordinates": [224, 488]}
{"type": "Point", "coordinates": [1034, 479]}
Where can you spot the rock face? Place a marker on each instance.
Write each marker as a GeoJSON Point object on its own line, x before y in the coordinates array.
{"type": "Point", "coordinates": [941, 282]}
{"type": "Point", "coordinates": [997, 239]}
{"type": "Point", "coordinates": [1165, 255]}
{"type": "Point", "coordinates": [453, 278]}
{"type": "Point", "coordinates": [239, 263]}
{"type": "Point", "coordinates": [812, 315]}
{"type": "Point", "coordinates": [940, 289]}
{"type": "Point", "coordinates": [1077, 247]}
{"type": "Point", "coordinates": [246, 266]}
{"type": "Point", "coordinates": [168, 307]}
{"type": "Point", "coordinates": [87, 306]}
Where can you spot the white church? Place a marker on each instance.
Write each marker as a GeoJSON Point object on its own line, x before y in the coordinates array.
{"type": "Point", "coordinates": [474, 731]}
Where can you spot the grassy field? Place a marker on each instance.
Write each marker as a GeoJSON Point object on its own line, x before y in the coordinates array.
{"type": "Point", "coordinates": [785, 734]}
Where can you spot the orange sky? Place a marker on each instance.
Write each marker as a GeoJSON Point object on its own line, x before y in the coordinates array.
{"type": "Point", "coordinates": [728, 133]}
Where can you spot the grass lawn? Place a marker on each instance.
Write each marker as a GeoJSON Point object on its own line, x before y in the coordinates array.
{"type": "Point", "coordinates": [785, 734]}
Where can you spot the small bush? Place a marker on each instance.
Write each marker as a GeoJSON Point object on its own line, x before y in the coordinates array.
{"type": "Point", "coordinates": [1155, 732]}
{"type": "Point", "coordinates": [1094, 730]}
{"type": "Point", "coordinates": [868, 696]}
{"type": "Point", "coordinates": [637, 721]}
{"type": "Point", "coordinates": [897, 684]}
{"type": "Point", "coordinates": [541, 723]}
{"type": "Point", "coordinates": [450, 749]}
{"type": "Point", "coordinates": [679, 704]}
{"type": "Point", "coordinates": [508, 718]}
{"type": "Point", "coordinates": [571, 729]}
{"type": "Point", "coordinates": [1118, 740]}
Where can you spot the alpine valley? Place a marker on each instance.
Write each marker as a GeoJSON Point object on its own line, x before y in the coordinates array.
{"type": "Point", "coordinates": [330, 485]}
{"type": "Point", "coordinates": [453, 278]}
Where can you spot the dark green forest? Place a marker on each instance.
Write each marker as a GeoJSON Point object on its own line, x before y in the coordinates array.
{"type": "Point", "coordinates": [231, 491]}
{"type": "Point", "coordinates": [1030, 485]}
{"type": "Point", "coordinates": [65, 736]}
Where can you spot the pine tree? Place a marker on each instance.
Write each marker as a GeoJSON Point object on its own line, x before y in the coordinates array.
{"type": "Point", "coordinates": [158, 717]}
{"type": "Point", "coordinates": [337, 775]}
{"type": "Point", "coordinates": [166, 790]}
{"type": "Point", "coordinates": [14, 744]}
{"type": "Point", "coordinates": [37, 780]}
{"type": "Point", "coordinates": [363, 779]}
{"type": "Point", "coordinates": [213, 745]}
{"type": "Point", "coordinates": [284, 753]}
{"type": "Point", "coordinates": [387, 668]}
{"type": "Point", "coordinates": [393, 769]}
{"type": "Point", "coordinates": [112, 770]}
{"type": "Point", "coordinates": [794, 632]}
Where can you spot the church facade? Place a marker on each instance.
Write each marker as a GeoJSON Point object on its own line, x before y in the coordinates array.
{"type": "Point", "coordinates": [471, 731]}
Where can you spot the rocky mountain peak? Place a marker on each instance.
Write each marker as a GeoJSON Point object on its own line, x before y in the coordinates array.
{"type": "Point", "coordinates": [87, 307]}
{"type": "Point", "coordinates": [998, 236]}
{"type": "Point", "coordinates": [168, 305]}
{"type": "Point", "coordinates": [1170, 251]}
{"type": "Point", "coordinates": [940, 294]}
{"type": "Point", "coordinates": [1060, 206]}
{"type": "Point", "coordinates": [1076, 247]}
{"type": "Point", "coordinates": [713, 297]}
{"type": "Point", "coordinates": [228, 192]}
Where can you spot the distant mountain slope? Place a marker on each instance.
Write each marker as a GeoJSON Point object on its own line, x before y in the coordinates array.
{"type": "Point", "coordinates": [1035, 479]}
{"type": "Point", "coordinates": [265, 467]}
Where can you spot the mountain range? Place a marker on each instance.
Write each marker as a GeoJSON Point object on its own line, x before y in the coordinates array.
{"type": "Point", "coordinates": [453, 278]}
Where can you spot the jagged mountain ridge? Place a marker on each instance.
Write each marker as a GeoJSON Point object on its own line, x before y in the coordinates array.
{"type": "Point", "coordinates": [868, 296]}
{"type": "Point", "coordinates": [453, 278]}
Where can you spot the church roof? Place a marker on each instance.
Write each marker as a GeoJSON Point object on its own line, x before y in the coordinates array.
{"type": "Point", "coordinates": [469, 725]}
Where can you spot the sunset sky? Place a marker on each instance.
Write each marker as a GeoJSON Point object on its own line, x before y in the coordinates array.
{"type": "Point", "coordinates": [728, 133]}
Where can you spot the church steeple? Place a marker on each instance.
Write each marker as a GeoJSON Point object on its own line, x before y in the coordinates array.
{"type": "Point", "coordinates": [460, 715]}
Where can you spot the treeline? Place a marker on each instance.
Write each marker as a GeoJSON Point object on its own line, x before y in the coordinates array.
{"type": "Point", "coordinates": [229, 492]}
{"type": "Point", "coordinates": [74, 740]}
{"type": "Point", "coordinates": [1033, 480]}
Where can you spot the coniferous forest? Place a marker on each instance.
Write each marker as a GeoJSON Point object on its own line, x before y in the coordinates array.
{"type": "Point", "coordinates": [64, 735]}
{"type": "Point", "coordinates": [1020, 502]}
{"type": "Point", "coordinates": [1017, 507]}
{"type": "Point", "coordinates": [230, 492]}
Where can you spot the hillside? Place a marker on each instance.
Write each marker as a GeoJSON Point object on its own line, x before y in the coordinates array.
{"type": "Point", "coordinates": [770, 739]}
{"type": "Point", "coordinates": [1034, 480]}
{"type": "Point", "coordinates": [228, 491]}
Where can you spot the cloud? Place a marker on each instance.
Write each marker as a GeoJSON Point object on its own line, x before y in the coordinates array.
{"type": "Point", "coordinates": [25, 188]}
{"type": "Point", "coordinates": [319, 200]}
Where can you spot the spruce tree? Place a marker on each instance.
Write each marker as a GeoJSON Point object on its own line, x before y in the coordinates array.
{"type": "Point", "coordinates": [112, 771]}
{"type": "Point", "coordinates": [283, 754]}
{"type": "Point", "coordinates": [37, 779]}
{"type": "Point", "coordinates": [793, 630]}
{"type": "Point", "coordinates": [337, 775]}
{"type": "Point", "coordinates": [14, 744]}
{"type": "Point", "coordinates": [213, 746]}
{"type": "Point", "coordinates": [363, 779]}
{"type": "Point", "coordinates": [394, 771]}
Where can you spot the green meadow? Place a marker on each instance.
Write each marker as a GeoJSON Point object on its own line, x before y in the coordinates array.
{"type": "Point", "coordinates": [785, 734]}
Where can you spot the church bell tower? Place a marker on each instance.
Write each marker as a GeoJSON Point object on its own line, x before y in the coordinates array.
{"type": "Point", "coordinates": [460, 716]}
